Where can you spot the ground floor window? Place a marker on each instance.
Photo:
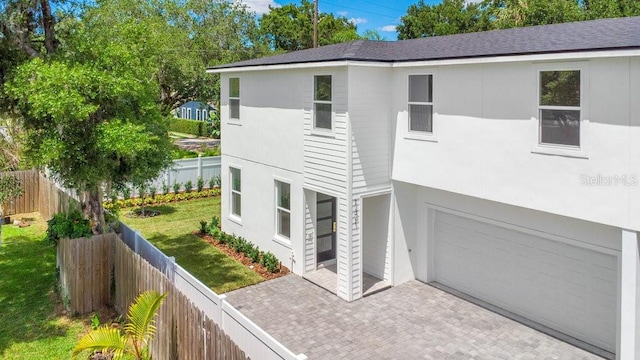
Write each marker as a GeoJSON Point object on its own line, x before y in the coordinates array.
{"type": "Point", "coordinates": [283, 209]}
{"type": "Point", "coordinates": [236, 191]}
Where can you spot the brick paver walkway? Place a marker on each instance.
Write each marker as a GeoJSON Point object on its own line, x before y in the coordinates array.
{"type": "Point", "coordinates": [410, 321]}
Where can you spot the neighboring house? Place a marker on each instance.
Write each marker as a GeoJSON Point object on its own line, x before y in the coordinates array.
{"type": "Point", "coordinates": [503, 164]}
{"type": "Point", "coordinates": [195, 110]}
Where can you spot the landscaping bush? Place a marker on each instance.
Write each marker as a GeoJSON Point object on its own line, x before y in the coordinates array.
{"type": "Point", "coordinates": [153, 191]}
{"type": "Point", "coordinates": [179, 153]}
{"type": "Point", "coordinates": [68, 225]}
{"type": "Point", "coordinates": [198, 128]}
{"type": "Point", "coordinates": [176, 187]}
{"type": "Point", "coordinates": [115, 204]}
{"type": "Point", "coordinates": [215, 222]}
{"type": "Point", "coordinates": [203, 227]}
{"type": "Point", "coordinates": [126, 193]}
{"type": "Point", "coordinates": [270, 261]}
{"type": "Point", "coordinates": [188, 186]}
{"type": "Point", "coordinates": [200, 183]}
{"type": "Point", "coordinates": [253, 254]}
{"type": "Point", "coordinates": [165, 188]}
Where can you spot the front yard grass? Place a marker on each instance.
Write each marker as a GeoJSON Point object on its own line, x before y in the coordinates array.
{"type": "Point", "coordinates": [171, 232]}
{"type": "Point", "coordinates": [30, 326]}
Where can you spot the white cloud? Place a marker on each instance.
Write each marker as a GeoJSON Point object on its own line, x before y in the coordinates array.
{"type": "Point", "coordinates": [388, 28]}
{"type": "Point", "coordinates": [342, 13]}
{"type": "Point", "coordinates": [357, 21]}
{"type": "Point", "coordinates": [259, 6]}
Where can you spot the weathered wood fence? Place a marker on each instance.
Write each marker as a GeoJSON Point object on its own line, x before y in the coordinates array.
{"type": "Point", "coordinates": [40, 195]}
{"type": "Point", "coordinates": [183, 330]}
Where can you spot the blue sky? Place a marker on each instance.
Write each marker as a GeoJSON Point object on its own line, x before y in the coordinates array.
{"type": "Point", "coordinates": [380, 15]}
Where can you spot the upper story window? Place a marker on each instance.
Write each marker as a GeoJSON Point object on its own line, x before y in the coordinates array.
{"type": "Point", "coordinates": [421, 103]}
{"type": "Point", "coordinates": [234, 98]}
{"type": "Point", "coordinates": [322, 107]}
{"type": "Point", "coordinates": [283, 209]}
{"type": "Point", "coordinates": [559, 108]}
{"type": "Point", "coordinates": [236, 191]}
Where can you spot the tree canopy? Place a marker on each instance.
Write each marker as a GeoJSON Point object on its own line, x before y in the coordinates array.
{"type": "Point", "coordinates": [290, 27]}
{"type": "Point", "coordinates": [460, 16]}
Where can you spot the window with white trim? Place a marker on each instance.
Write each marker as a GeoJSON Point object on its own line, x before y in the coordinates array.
{"type": "Point", "coordinates": [234, 98]}
{"type": "Point", "coordinates": [559, 108]}
{"type": "Point", "coordinates": [283, 209]}
{"type": "Point", "coordinates": [189, 113]}
{"type": "Point", "coordinates": [184, 113]}
{"type": "Point", "coordinates": [421, 103]}
{"type": "Point", "coordinates": [198, 114]}
{"type": "Point", "coordinates": [236, 191]}
{"type": "Point", "coordinates": [322, 105]}
{"type": "Point", "coordinates": [205, 115]}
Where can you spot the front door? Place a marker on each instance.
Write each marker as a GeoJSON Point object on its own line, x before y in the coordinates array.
{"type": "Point", "coordinates": [326, 225]}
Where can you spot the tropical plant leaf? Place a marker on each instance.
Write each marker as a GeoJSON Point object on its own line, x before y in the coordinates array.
{"type": "Point", "coordinates": [103, 339]}
{"type": "Point", "coordinates": [142, 313]}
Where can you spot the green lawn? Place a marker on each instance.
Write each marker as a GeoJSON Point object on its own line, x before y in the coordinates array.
{"type": "Point", "coordinates": [171, 233]}
{"type": "Point", "coordinates": [29, 326]}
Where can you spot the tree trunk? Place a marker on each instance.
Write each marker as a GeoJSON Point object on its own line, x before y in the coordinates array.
{"type": "Point", "coordinates": [91, 205]}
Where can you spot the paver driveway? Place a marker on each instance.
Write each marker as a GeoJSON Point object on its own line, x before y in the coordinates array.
{"type": "Point", "coordinates": [409, 321]}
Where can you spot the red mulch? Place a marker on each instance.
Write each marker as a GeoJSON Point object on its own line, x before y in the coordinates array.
{"type": "Point", "coordinates": [257, 268]}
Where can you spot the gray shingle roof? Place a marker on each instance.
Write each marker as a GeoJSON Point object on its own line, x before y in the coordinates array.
{"type": "Point", "coordinates": [620, 33]}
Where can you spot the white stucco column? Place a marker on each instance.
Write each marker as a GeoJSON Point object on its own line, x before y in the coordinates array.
{"type": "Point", "coordinates": [630, 267]}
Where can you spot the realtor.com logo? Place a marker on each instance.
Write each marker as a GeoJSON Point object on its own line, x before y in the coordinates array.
{"type": "Point", "coordinates": [609, 180]}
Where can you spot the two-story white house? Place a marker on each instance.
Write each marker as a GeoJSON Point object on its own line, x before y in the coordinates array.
{"type": "Point", "coordinates": [504, 165]}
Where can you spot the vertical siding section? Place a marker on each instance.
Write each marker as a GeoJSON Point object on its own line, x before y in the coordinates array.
{"type": "Point", "coordinates": [369, 116]}
{"type": "Point", "coordinates": [309, 231]}
{"type": "Point", "coordinates": [326, 162]}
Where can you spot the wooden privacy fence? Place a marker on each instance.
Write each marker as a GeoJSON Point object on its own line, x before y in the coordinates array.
{"type": "Point", "coordinates": [183, 330]}
{"type": "Point", "coordinates": [40, 194]}
{"type": "Point", "coordinates": [28, 201]}
{"type": "Point", "coordinates": [85, 272]}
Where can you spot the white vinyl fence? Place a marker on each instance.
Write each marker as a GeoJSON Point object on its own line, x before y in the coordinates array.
{"type": "Point", "coordinates": [184, 170]}
{"type": "Point", "coordinates": [255, 342]}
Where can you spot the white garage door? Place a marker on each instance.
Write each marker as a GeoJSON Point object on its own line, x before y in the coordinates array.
{"type": "Point", "coordinates": [567, 288]}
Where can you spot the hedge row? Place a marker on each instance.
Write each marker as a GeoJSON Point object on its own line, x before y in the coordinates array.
{"type": "Point", "coordinates": [199, 128]}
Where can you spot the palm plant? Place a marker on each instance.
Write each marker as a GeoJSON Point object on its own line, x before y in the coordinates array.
{"type": "Point", "coordinates": [138, 332]}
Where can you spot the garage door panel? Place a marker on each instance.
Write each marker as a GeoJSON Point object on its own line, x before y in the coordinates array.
{"type": "Point", "coordinates": [568, 288]}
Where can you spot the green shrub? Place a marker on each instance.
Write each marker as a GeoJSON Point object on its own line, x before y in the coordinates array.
{"type": "Point", "coordinates": [211, 152]}
{"type": "Point", "coordinates": [253, 254]}
{"type": "Point", "coordinates": [126, 193]}
{"type": "Point", "coordinates": [270, 261]}
{"type": "Point", "coordinates": [179, 153]}
{"type": "Point", "coordinates": [204, 229]}
{"type": "Point", "coordinates": [212, 182]}
{"type": "Point", "coordinates": [165, 188]}
{"type": "Point", "coordinates": [199, 128]}
{"type": "Point", "coordinates": [68, 225]}
{"type": "Point", "coordinates": [200, 184]}
{"type": "Point", "coordinates": [176, 187]}
{"type": "Point", "coordinates": [215, 222]}
{"type": "Point", "coordinates": [188, 186]}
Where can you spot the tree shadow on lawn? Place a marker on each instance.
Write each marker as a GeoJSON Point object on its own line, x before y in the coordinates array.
{"type": "Point", "coordinates": [214, 268]}
{"type": "Point", "coordinates": [166, 209]}
{"type": "Point", "coordinates": [27, 280]}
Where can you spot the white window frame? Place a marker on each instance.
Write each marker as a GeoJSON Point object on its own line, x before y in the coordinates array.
{"type": "Point", "coordinates": [557, 149]}
{"type": "Point", "coordinates": [234, 98]}
{"type": "Point", "coordinates": [279, 237]}
{"type": "Point", "coordinates": [418, 134]}
{"type": "Point", "coordinates": [198, 115]}
{"type": "Point", "coordinates": [183, 112]}
{"type": "Point", "coordinates": [330, 102]}
{"type": "Point", "coordinates": [189, 113]}
{"type": "Point", "coordinates": [204, 115]}
{"type": "Point", "coordinates": [232, 191]}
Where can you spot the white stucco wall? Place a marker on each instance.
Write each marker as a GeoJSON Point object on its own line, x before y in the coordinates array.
{"type": "Point", "coordinates": [485, 136]}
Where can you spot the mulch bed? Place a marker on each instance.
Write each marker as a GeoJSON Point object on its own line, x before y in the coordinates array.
{"type": "Point", "coordinates": [255, 267]}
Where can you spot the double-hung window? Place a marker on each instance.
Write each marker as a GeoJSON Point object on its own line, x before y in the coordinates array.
{"type": "Point", "coordinates": [234, 98]}
{"type": "Point", "coordinates": [559, 108]}
{"type": "Point", "coordinates": [322, 107]}
{"type": "Point", "coordinates": [421, 103]}
{"type": "Point", "coordinates": [184, 113]}
{"type": "Point", "coordinates": [283, 209]}
{"type": "Point", "coordinates": [189, 113]}
{"type": "Point", "coordinates": [198, 114]}
{"type": "Point", "coordinates": [236, 191]}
